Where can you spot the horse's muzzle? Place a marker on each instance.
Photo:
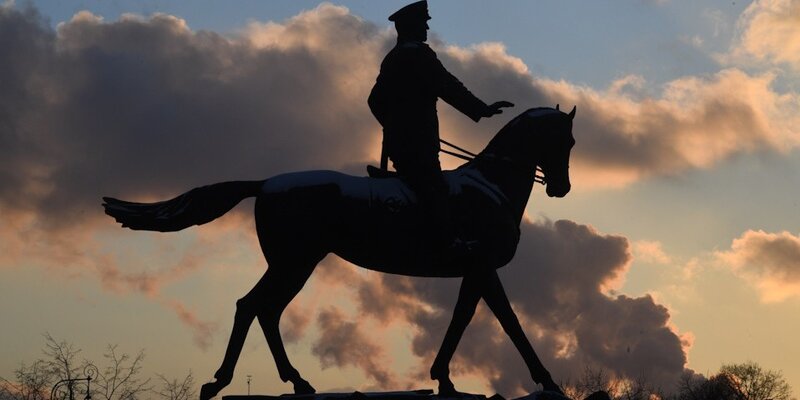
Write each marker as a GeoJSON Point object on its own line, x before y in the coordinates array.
{"type": "Point", "coordinates": [554, 190]}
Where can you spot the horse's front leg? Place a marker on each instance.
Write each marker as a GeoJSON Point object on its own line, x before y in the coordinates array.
{"type": "Point", "coordinates": [468, 297]}
{"type": "Point", "coordinates": [495, 297]}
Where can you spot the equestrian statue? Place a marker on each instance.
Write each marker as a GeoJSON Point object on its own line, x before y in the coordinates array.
{"type": "Point", "coordinates": [418, 221]}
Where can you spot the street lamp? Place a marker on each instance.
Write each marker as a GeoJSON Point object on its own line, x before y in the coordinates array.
{"type": "Point", "coordinates": [58, 391]}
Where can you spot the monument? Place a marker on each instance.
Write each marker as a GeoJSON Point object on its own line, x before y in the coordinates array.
{"type": "Point", "coordinates": [417, 221]}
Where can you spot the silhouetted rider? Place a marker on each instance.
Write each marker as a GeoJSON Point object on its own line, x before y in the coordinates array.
{"type": "Point", "coordinates": [403, 100]}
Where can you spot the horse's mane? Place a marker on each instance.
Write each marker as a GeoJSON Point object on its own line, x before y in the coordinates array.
{"type": "Point", "coordinates": [531, 113]}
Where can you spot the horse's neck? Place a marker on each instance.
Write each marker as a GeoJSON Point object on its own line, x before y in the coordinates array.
{"type": "Point", "coordinates": [515, 184]}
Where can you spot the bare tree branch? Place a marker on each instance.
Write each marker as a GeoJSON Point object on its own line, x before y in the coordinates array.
{"type": "Point", "coordinates": [33, 383]}
{"type": "Point", "coordinates": [61, 358]}
{"type": "Point", "coordinates": [120, 379]}
{"type": "Point", "coordinates": [175, 390]}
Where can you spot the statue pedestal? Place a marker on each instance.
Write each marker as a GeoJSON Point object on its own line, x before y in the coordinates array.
{"type": "Point", "coordinates": [422, 394]}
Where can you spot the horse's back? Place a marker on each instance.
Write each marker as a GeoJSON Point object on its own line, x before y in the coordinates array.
{"type": "Point", "coordinates": [348, 186]}
{"type": "Point", "coordinates": [305, 181]}
{"type": "Point", "coordinates": [375, 223]}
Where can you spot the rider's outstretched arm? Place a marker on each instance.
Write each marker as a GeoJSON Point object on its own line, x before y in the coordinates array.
{"type": "Point", "coordinates": [451, 90]}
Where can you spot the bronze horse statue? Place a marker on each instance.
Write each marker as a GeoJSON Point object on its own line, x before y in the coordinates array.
{"type": "Point", "coordinates": [376, 224]}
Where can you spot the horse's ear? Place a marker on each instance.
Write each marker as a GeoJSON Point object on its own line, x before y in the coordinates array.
{"type": "Point", "coordinates": [557, 107]}
{"type": "Point", "coordinates": [572, 113]}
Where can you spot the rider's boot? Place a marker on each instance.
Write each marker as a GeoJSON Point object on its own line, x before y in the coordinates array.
{"type": "Point", "coordinates": [450, 244]}
{"type": "Point", "coordinates": [456, 249]}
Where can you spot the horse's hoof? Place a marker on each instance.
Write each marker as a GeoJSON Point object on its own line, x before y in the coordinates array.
{"type": "Point", "coordinates": [601, 395]}
{"type": "Point", "coordinates": [303, 387]}
{"type": "Point", "coordinates": [438, 373]}
{"type": "Point", "coordinates": [553, 387]}
{"type": "Point", "coordinates": [447, 389]}
{"type": "Point", "coordinates": [209, 390]}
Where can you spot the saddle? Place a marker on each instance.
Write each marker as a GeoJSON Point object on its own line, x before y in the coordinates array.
{"type": "Point", "coordinates": [375, 172]}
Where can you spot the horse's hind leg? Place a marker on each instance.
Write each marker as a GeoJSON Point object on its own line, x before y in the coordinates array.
{"type": "Point", "coordinates": [281, 286]}
{"type": "Point", "coordinates": [245, 313]}
{"type": "Point", "coordinates": [267, 300]}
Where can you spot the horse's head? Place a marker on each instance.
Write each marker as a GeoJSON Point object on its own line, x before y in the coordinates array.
{"type": "Point", "coordinates": [555, 142]}
{"type": "Point", "coordinates": [539, 138]}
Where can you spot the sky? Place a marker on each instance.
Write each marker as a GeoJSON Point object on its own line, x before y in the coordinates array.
{"type": "Point", "coordinates": [677, 251]}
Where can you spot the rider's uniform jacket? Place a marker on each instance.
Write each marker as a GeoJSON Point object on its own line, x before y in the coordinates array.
{"type": "Point", "coordinates": [404, 101]}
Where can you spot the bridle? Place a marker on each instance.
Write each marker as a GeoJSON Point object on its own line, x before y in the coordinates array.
{"type": "Point", "coordinates": [469, 156]}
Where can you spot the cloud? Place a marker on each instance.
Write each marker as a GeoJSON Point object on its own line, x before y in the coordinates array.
{"type": "Point", "coordinates": [695, 41]}
{"type": "Point", "coordinates": [769, 33]}
{"type": "Point", "coordinates": [558, 282]}
{"type": "Point", "coordinates": [624, 134]}
{"type": "Point", "coordinates": [344, 343]}
{"type": "Point", "coordinates": [717, 20]}
{"type": "Point", "coordinates": [650, 252]}
{"type": "Point", "coordinates": [294, 322]}
{"type": "Point", "coordinates": [695, 123]}
{"type": "Point", "coordinates": [769, 261]}
{"type": "Point", "coordinates": [144, 108]}
{"type": "Point", "coordinates": [559, 286]}
{"type": "Point", "coordinates": [203, 332]}
{"type": "Point", "coordinates": [107, 255]}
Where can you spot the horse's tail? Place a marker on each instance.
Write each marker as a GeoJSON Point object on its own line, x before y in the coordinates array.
{"type": "Point", "coordinates": [195, 207]}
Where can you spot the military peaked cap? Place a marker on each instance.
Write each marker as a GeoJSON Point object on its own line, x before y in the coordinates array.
{"type": "Point", "coordinates": [414, 11]}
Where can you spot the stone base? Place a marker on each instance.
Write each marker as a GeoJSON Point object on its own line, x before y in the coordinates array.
{"type": "Point", "coordinates": [422, 394]}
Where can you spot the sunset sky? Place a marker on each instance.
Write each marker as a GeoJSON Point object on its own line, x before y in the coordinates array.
{"type": "Point", "coordinates": [677, 250]}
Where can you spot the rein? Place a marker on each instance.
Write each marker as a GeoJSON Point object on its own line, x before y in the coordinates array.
{"type": "Point", "coordinates": [469, 156]}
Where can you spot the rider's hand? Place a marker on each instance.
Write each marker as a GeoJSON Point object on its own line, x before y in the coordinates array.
{"type": "Point", "coordinates": [496, 108]}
